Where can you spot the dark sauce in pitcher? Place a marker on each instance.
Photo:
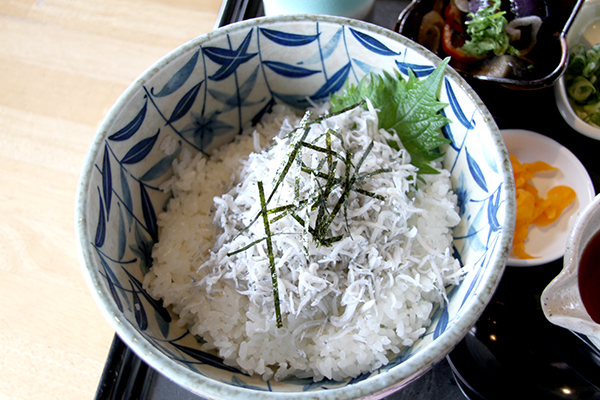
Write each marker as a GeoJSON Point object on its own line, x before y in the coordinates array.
{"type": "Point", "coordinates": [589, 277]}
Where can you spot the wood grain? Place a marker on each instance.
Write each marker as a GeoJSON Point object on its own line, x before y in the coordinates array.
{"type": "Point", "coordinates": [63, 63]}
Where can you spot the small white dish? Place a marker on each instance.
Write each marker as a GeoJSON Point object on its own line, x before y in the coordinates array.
{"type": "Point", "coordinates": [569, 115]}
{"type": "Point", "coordinates": [548, 243]}
{"type": "Point", "coordinates": [358, 9]}
{"type": "Point", "coordinates": [584, 30]}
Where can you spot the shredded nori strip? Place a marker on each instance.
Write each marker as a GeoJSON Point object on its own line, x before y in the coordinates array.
{"type": "Point", "coordinates": [263, 206]}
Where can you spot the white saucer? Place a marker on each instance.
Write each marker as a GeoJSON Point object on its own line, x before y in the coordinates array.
{"type": "Point", "coordinates": [548, 243]}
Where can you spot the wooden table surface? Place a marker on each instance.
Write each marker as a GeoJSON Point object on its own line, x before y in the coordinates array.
{"type": "Point", "coordinates": [63, 63]}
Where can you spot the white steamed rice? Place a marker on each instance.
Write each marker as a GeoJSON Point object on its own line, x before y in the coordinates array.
{"type": "Point", "coordinates": [348, 308]}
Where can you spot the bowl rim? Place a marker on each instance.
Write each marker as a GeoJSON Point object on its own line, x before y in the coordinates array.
{"type": "Point", "coordinates": [378, 386]}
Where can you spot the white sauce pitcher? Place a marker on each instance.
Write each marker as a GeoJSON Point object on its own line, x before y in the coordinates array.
{"type": "Point", "coordinates": [561, 300]}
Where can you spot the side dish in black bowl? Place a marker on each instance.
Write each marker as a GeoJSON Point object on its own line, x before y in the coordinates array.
{"type": "Point", "coordinates": [515, 43]}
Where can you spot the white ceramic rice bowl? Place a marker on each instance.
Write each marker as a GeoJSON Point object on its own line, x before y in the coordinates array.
{"type": "Point", "coordinates": [202, 94]}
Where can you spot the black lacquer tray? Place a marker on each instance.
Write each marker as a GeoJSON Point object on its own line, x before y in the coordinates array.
{"type": "Point", "coordinates": [512, 351]}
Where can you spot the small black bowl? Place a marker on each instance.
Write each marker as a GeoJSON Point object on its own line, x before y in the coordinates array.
{"type": "Point", "coordinates": [550, 54]}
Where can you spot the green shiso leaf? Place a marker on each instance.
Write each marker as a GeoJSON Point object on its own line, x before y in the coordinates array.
{"type": "Point", "coordinates": [410, 108]}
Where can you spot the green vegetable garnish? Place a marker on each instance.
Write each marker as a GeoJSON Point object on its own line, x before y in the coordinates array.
{"type": "Point", "coordinates": [487, 34]}
{"type": "Point", "coordinates": [582, 83]}
{"type": "Point", "coordinates": [409, 107]}
{"type": "Point", "coordinates": [581, 89]}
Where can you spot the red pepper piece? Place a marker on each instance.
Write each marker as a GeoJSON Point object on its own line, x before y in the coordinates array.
{"type": "Point", "coordinates": [457, 53]}
{"type": "Point", "coordinates": [453, 17]}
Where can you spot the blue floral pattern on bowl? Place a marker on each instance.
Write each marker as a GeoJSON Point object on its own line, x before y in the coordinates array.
{"type": "Point", "coordinates": [207, 91]}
